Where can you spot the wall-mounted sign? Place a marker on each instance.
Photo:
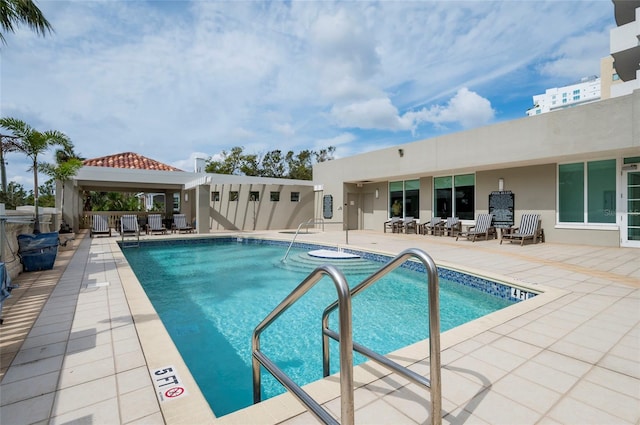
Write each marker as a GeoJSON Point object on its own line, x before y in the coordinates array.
{"type": "Point", "coordinates": [327, 206]}
{"type": "Point", "coordinates": [501, 205]}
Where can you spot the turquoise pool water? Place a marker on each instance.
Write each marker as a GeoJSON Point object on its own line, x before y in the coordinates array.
{"type": "Point", "coordinates": [210, 296]}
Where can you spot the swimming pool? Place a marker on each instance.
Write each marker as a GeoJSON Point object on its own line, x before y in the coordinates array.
{"type": "Point", "coordinates": [211, 293]}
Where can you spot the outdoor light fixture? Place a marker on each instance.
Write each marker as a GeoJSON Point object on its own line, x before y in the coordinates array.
{"type": "Point", "coordinates": [501, 184]}
{"type": "Point", "coordinates": [401, 152]}
{"type": "Point", "coordinates": [186, 197]}
{"type": "Point", "coordinates": [377, 194]}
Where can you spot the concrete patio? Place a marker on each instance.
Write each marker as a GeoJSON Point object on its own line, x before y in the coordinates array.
{"type": "Point", "coordinates": [79, 343]}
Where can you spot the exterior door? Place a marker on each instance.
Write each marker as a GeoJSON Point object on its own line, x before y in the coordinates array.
{"type": "Point", "coordinates": [630, 226]}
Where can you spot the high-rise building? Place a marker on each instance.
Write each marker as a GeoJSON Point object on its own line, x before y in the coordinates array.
{"type": "Point", "coordinates": [624, 46]}
{"type": "Point", "coordinates": [585, 91]}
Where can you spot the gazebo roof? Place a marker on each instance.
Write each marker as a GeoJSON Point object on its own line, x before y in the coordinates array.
{"type": "Point", "coordinates": [129, 160]}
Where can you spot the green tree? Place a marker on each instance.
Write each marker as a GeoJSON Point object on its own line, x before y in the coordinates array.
{"type": "Point", "coordinates": [33, 143]}
{"type": "Point", "coordinates": [272, 164]}
{"type": "Point", "coordinates": [300, 166]}
{"type": "Point", "coordinates": [66, 168]}
{"type": "Point", "coordinates": [47, 194]}
{"type": "Point", "coordinates": [14, 196]}
{"type": "Point", "coordinates": [22, 12]}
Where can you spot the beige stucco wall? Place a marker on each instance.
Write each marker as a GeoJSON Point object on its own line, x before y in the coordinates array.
{"type": "Point", "coordinates": [264, 214]}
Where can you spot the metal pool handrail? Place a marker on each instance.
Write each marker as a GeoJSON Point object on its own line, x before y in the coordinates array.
{"type": "Point", "coordinates": [343, 304]}
{"type": "Point", "coordinates": [307, 223]}
{"type": "Point", "coordinates": [434, 384]}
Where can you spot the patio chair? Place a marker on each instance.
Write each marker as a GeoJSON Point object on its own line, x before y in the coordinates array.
{"type": "Point", "coordinates": [451, 227]}
{"type": "Point", "coordinates": [410, 225]}
{"type": "Point", "coordinates": [430, 226]}
{"type": "Point", "coordinates": [392, 224]}
{"type": "Point", "coordinates": [529, 229]}
{"type": "Point", "coordinates": [129, 225]}
{"type": "Point", "coordinates": [155, 224]}
{"type": "Point", "coordinates": [99, 226]}
{"type": "Point", "coordinates": [483, 227]}
{"type": "Point", "coordinates": [180, 223]}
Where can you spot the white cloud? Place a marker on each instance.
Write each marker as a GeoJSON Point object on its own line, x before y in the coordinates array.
{"type": "Point", "coordinates": [210, 75]}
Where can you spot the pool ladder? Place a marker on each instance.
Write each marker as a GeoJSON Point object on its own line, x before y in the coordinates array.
{"type": "Point", "coordinates": [345, 339]}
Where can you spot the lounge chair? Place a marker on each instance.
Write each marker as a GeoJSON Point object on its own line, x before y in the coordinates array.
{"type": "Point", "coordinates": [410, 225]}
{"type": "Point", "coordinates": [180, 223]}
{"type": "Point", "coordinates": [483, 227]}
{"type": "Point", "coordinates": [392, 224]}
{"type": "Point", "coordinates": [99, 226]}
{"type": "Point", "coordinates": [451, 227]}
{"type": "Point", "coordinates": [155, 224]}
{"type": "Point", "coordinates": [129, 225]}
{"type": "Point", "coordinates": [431, 226]}
{"type": "Point", "coordinates": [529, 229]}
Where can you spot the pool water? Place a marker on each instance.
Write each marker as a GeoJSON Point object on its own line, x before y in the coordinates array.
{"type": "Point", "coordinates": [210, 297]}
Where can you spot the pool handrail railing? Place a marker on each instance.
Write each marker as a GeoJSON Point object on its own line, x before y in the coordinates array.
{"type": "Point", "coordinates": [343, 304]}
{"type": "Point", "coordinates": [434, 384]}
{"type": "Point", "coordinates": [307, 223]}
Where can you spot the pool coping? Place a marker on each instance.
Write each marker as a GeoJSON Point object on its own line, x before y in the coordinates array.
{"type": "Point", "coordinates": [160, 351]}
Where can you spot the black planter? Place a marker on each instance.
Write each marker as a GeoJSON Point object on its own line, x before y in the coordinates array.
{"type": "Point", "coordinates": [38, 251]}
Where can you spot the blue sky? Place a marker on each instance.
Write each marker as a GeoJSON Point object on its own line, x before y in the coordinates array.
{"type": "Point", "coordinates": [174, 80]}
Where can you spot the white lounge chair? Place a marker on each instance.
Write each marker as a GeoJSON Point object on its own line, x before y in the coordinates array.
{"type": "Point", "coordinates": [155, 224]}
{"type": "Point", "coordinates": [99, 225]}
{"type": "Point", "coordinates": [180, 223]}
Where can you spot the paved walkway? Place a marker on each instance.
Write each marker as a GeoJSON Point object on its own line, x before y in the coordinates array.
{"type": "Point", "coordinates": [81, 339]}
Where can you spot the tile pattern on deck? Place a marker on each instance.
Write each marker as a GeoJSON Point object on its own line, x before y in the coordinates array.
{"type": "Point", "coordinates": [574, 359]}
{"type": "Point", "coordinates": [81, 362]}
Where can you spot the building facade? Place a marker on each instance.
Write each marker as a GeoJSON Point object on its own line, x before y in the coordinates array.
{"type": "Point", "coordinates": [579, 168]}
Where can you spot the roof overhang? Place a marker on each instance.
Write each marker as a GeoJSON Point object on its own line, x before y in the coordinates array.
{"type": "Point", "coordinates": [123, 179]}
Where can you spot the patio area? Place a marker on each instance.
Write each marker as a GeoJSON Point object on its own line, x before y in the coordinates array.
{"type": "Point", "coordinates": [80, 343]}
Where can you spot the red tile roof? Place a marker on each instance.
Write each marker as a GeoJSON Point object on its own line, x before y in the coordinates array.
{"type": "Point", "coordinates": [129, 160]}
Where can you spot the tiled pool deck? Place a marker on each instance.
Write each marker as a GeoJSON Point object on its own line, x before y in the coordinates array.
{"type": "Point", "coordinates": [78, 343]}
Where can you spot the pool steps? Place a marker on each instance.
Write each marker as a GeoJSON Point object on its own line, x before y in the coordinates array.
{"type": "Point", "coordinates": [306, 263]}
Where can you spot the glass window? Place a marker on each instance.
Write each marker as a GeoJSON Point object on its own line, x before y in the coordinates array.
{"type": "Point", "coordinates": [587, 194]}
{"type": "Point", "coordinates": [455, 196]}
{"type": "Point", "coordinates": [632, 160]}
{"type": "Point", "coordinates": [215, 196]}
{"type": "Point", "coordinates": [233, 195]}
{"type": "Point", "coordinates": [576, 92]}
{"type": "Point", "coordinates": [412, 198]}
{"type": "Point", "coordinates": [601, 191]}
{"type": "Point", "coordinates": [404, 198]}
{"type": "Point", "coordinates": [464, 186]}
{"type": "Point", "coordinates": [443, 187]}
{"type": "Point", "coordinates": [571, 193]}
{"type": "Point", "coordinates": [295, 196]}
{"type": "Point", "coordinates": [274, 196]}
{"type": "Point", "coordinates": [576, 97]}
{"type": "Point", "coordinates": [254, 196]}
{"type": "Point", "coordinates": [395, 199]}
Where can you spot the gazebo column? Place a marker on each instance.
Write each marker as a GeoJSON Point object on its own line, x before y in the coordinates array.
{"type": "Point", "coordinates": [202, 207]}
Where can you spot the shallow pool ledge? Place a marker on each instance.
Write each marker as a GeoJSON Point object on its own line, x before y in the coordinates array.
{"type": "Point", "coordinates": [160, 352]}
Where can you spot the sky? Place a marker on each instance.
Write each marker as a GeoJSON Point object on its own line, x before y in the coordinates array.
{"type": "Point", "coordinates": [175, 79]}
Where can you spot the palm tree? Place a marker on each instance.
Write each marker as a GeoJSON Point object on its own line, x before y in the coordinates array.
{"type": "Point", "coordinates": [33, 143]}
{"type": "Point", "coordinates": [14, 12]}
{"type": "Point", "coordinates": [62, 172]}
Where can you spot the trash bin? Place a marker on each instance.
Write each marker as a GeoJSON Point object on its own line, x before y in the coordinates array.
{"type": "Point", "coordinates": [37, 252]}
